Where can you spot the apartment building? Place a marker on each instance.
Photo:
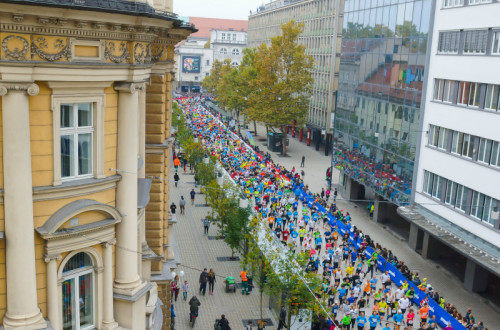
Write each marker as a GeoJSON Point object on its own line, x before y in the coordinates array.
{"type": "Point", "coordinates": [457, 200]}
{"type": "Point", "coordinates": [322, 21]}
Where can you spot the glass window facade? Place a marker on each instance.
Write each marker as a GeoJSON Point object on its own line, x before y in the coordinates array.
{"type": "Point", "coordinates": [383, 53]}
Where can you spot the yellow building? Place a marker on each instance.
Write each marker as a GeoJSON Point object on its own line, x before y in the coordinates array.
{"type": "Point", "coordinates": [85, 89]}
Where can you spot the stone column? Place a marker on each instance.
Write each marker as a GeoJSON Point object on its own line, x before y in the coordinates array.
{"type": "Point", "coordinates": [22, 306]}
{"type": "Point", "coordinates": [108, 320]}
{"type": "Point", "coordinates": [52, 293]}
{"type": "Point", "coordinates": [142, 132]}
{"type": "Point", "coordinates": [127, 276]}
{"type": "Point", "coordinates": [129, 298]}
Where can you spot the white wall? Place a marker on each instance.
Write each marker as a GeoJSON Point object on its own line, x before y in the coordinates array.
{"type": "Point", "coordinates": [486, 124]}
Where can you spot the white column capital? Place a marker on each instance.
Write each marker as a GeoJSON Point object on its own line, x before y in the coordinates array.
{"type": "Point", "coordinates": [109, 243]}
{"type": "Point", "coordinates": [49, 257]}
{"type": "Point", "coordinates": [130, 87]}
{"type": "Point", "coordinates": [31, 88]}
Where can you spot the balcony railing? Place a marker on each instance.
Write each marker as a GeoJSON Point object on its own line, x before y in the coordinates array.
{"type": "Point", "coordinates": [225, 41]}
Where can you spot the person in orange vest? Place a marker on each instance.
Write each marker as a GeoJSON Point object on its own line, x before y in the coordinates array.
{"type": "Point", "coordinates": [177, 162]}
{"type": "Point", "coordinates": [244, 281]}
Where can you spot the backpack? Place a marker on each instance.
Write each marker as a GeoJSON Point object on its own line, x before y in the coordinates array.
{"type": "Point", "coordinates": [217, 325]}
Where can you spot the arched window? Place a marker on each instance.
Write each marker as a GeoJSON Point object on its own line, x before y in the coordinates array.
{"type": "Point", "coordinates": [236, 51]}
{"type": "Point", "coordinates": [78, 293]}
{"type": "Point", "coordinates": [223, 51]}
{"type": "Point", "coordinates": [235, 64]}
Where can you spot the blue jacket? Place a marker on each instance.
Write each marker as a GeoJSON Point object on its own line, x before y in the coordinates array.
{"type": "Point", "coordinates": [374, 319]}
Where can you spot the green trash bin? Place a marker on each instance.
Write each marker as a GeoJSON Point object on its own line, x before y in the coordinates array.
{"type": "Point", "coordinates": [230, 284]}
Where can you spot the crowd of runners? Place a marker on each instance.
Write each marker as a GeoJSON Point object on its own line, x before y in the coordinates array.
{"type": "Point", "coordinates": [358, 295]}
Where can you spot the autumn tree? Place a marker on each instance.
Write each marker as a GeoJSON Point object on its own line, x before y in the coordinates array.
{"type": "Point", "coordinates": [284, 80]}
{"type": "Point", "coordinates": [211, 81]}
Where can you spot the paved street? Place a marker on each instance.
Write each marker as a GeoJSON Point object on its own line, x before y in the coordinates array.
{"type": "Point", "coordinates": [198, 252]}
{"type": "Point", "coordinates": [445, 283]}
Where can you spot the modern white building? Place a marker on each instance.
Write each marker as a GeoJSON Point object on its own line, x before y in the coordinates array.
{"type": "Point", "coordinates": [193, 60]}
{"type": "Point", "coordinates": [456, 194]}
{"type": "Point", "coordinates": [228, 44]}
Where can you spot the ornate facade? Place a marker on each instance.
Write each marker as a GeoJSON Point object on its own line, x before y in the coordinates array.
{"type": "Point", "coordinates": [85, 90]}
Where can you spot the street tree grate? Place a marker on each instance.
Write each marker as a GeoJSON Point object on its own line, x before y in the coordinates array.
{"type": "Point", "coordinates": [269, 322]}
{"type": "Point", "coordinates": [228, 259]}
{"type": "Point", "coordinates": [200, 205]}
{"type": "Point", "coordinates": [212, 238]}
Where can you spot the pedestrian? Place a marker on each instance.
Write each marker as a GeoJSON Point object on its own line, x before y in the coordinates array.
{"type": "Point", "coordinates": [173, 208]}
{"type": "Point", "coordinates": [176, 179]}
{"type": "Point", "coordinates": [185, 289]}
{"type": "Point", "coordinates": [261, 324]}
{"type": "Point", "coordinates": [302, 163]}
{"type": "Point", "coordinates": [282, 320]}
{"type": "Point", "coordinates": [182, 204]}
{"type": "Point", "coordinates": [177, 162]}
{"type": "Point", "coordinates": [335, 193]}
{"type": "Point", "coordinates": [206, 226]}
{"type": "Point", "coordinates": [249, 326]}
{"type": "Point", "coordinates": [224, 323]}
{"type": "Point", "coordinates": [244, 281]}
{"type": "Point", "coordinates": [172, 317]}
{"type": "Point", "coordinates": [203, 281]}
{"type": "Point", "coordinates": [192, 193]}
{"type": "Point", "coordinates": [211, 281]}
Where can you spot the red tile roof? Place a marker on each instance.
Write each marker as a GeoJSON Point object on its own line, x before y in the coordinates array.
{"type": "Point", "coordinates": [204, 25]}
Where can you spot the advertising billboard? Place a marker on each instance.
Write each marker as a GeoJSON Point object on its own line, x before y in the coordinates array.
{"type": "Point", "coordinates": [191, 64]}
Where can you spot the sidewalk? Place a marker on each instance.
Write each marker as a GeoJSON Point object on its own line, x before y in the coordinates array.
{"type": "Point", "coordinates": [198, 252]}
{"type": "Point", "coordinates": [316, 164]}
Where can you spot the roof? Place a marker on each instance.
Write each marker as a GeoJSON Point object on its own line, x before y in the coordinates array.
{"type": "Point", "coordinates": [204, 25]}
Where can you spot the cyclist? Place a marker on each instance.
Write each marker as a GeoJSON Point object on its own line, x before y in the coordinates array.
{"type": "Point", "coordinates": [194, 303]}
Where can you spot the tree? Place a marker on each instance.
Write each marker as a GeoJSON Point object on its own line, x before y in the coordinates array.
{"type": "Point", "coordinates": [212, 80]}
{"type": "Point", "coordinates": [284, 79]}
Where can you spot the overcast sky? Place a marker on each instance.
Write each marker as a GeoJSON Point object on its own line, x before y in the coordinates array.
{"type": "Point", "coordinates": [230, 9]}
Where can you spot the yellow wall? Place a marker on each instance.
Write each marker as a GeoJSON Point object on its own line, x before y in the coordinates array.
{"type": "Point", "coordinates": [110, 130]}
{"type": "Point", "coordinates": [42, 142]}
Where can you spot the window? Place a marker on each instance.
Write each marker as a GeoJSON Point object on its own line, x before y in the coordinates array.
{"type": "Point", "coordinates": [474, 95]}
{"type": "Point", "coordinates": [448, 42]}
{"type": "Point", "coordinates": [208, 62]}
{"type": "Point", "coordinates": [236, 51]}
{"type": "Point", "coordinates": [235, 64]}
{"type": "Point", "coordinates": [223, 51]}
{"type": "Point", "coordinates": [234, 36]}
{"type": "Point", "coordinates": [223, 36]}
{"type": "Point", "coordinates": [433, 135]}
{"type": "Point", "coordinates": [443, 138]}
{"type": "Point", "coordinates": [76, 134]}
{"type": "Point", "coordinates": [492, 97]}
{"type": "Point", "coordinates": [484, 153]}
{"type": "Point", "coordinates": [448, 91]}
{"type": "Point", "coordinates": [463, 93]}
{"type": "Point", "coordinates": [452, 3]}
{"type": "Point", "coordinates": [484, 208]}
{"type": "Point", "coordinates": [476, 2]}
{"type": "Point", "coordinates": [467, 146]}
{"type": "Point", "coordinates": [495, 154]}
{"type": "Point", "coordinates": [495, 46]}
{"type": "Point", "coordinates": [433, 184]}
{"type": "Point", "coordinates": [438, 89]}
{"type": "Point", "coordinates": [456, 195]}
{"type": "Point", "coordinates": [475, 42]}
{"type": "Point", "coordinates": [78, 293]}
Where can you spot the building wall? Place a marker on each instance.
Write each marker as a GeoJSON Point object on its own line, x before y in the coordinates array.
{"type": "Point", "coordinates": [382, 64]}
{"type": "Point", "coordinates": [228, 44]}
{"type": "Point", "coordinates": [321, 36]}
{"type": "Point", "coordinates": [124, 68]}
{"type": "Point", "coordinates": [475, 121]}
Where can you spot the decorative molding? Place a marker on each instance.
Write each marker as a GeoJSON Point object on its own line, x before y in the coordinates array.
{"type": "Point", "coordinates": [130, 87]}
{"type": "Point", "coordinates": [110, 48]}
{"type": "Point", "coordinates": [156, 56]}
{"type": "Point", "coordinates": [139, 53]}
{"type": "Point", "coordinates": [49, 257]}
{"type": "Point", "coordinates": [16, 53]}
{"type": "Point", "coordinates": [43, 20]}
{"type": "Point", "coordinates": [87, 33]}
{"type": "Point", "coordinates": [31, 88]}
{"type": "Point", "coordinates": [38, 44]}
{"type": "Point", "coordinates": [61, 21]}
{"type": "Point", "coordinates": [80, 24]}
{"type": "Point", "coordinates": [98, 25]}
{"type": "Point", "coordinates": [109, 243]}
{"type": "Point", "coordinates": [115, 27]}
{"type": "Point", "coordinates": [128, 28]}
{"type": "Point", "coordinates": [17, 18]}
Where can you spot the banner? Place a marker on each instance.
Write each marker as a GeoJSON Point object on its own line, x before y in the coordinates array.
{"type": "Point", "coordinates": [191, 64]}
